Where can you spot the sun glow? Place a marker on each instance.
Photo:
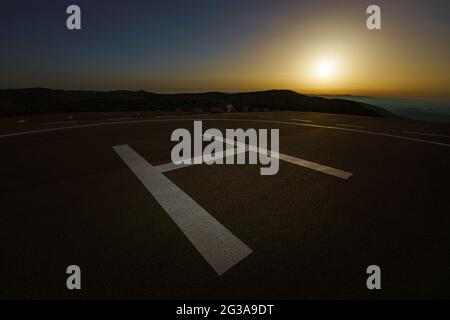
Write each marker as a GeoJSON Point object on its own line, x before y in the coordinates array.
{"type": "Point", "coordinates": [325, 69]}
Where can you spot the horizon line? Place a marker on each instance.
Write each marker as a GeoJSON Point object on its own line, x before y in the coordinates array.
{"type": "Point", "coordinates": [306, 93]}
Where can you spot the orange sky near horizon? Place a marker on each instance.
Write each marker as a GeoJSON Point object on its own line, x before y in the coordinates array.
{"type": "Point", "coordinates": [312, 47]}
{"type": "Point", "coordinates": [409, 57]}
{"type": "Point", "coordinates": [397, 61]}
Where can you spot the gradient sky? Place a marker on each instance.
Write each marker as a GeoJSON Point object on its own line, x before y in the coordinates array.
{"type": "Point", "coordinates": [232, 45]}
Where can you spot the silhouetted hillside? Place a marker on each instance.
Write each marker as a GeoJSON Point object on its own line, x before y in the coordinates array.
{"type": "Point", "coordinates": [37, 100]}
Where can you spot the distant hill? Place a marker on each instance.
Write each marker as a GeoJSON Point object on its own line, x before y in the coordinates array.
{"type": "Point", "coordinates": [433, 110]}
{"type": "Point", "coordinates": [40, 100]}
{"type": "Point", "coordinates": [423, 115]}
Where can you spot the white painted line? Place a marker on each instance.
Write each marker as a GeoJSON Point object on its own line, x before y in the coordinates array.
{"type": "Point", "coordinates": [91, 125]}
{"type": "Point", "coordinates": [349, 125]}
{"type": "Point", "coordinates": [300, 162]}
{"type": "Point", "coordinates": [170, 166]}
{"type": "Point", "coordinates": [100, 124]}
{"type": "Point", "coordinates": [220, 248]}
{"type": "Point", "coordinates": [22, 121]}
{"type": "Point", "coordinates": [120, 119]}
{"type": "Point", "coordinates": [302, 120]}
{"type": "Point", "coordinates": [316, 166]}
{"type": "Point", "coordinates": [427, 134]}
{"type": "Point", "coordinates": [59, 122]}
{"type": "Point", "coordinates": [219, 155]}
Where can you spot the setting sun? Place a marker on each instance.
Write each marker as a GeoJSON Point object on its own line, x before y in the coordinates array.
{"type": "Point", "coordinates": [325, 69]}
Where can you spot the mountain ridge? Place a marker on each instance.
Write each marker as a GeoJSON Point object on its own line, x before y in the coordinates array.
{"type": "Point", "coordinates": [45, 100]}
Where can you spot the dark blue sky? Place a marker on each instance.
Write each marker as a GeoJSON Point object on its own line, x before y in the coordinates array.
{"type": "Point", "coordinates": [198, 45]}
{"type": "Point", "coordinates": [126, 36]}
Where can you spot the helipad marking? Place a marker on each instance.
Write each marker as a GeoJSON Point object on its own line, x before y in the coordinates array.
{"type": "Point", "coordinates": [220, 248]}
{"type": "Point", "coordinates": [219, 155]}
{"type": "Point", "coordinates": [316, 166]}
{"type": "Point", "coordinates": [294, 160]}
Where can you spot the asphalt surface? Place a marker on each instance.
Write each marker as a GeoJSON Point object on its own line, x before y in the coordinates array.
{"type": "Point", "coordinates": [67, 198]}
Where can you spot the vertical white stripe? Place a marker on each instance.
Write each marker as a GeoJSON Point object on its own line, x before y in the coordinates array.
{"type": "Point", "coordinates": [221, 249]}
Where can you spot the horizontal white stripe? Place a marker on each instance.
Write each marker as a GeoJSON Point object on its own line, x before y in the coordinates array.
{"type": "Point", "coordinates": [219, 155]}
{"type": "Point", "coordinates": [316, 166]}
{"type": "Point", "coordinates": [297, 161]}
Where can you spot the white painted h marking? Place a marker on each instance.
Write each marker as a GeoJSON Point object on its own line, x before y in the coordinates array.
{"type": "Point", "coordinates": [221, 249]}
